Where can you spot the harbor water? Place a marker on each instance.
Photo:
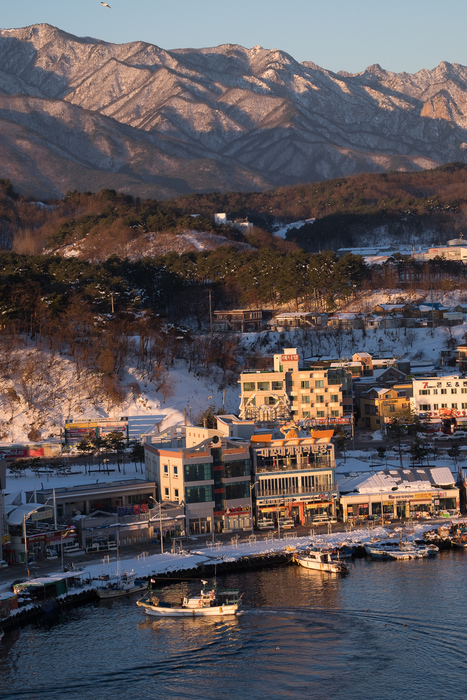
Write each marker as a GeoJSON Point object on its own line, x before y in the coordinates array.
{"type": "Point", "coordinates": [387, 630]}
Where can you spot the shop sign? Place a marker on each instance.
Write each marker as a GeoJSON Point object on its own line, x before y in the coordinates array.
{"type": "Point", "coordinates": [290, 358]}
{"type": "Point", "coordinates": [42, 515]}
{"type": "Point", "coordinates": [239, 509]}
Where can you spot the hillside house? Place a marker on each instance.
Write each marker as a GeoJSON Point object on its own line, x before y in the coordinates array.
{"type": "Point", "coordinates": [300, 319]}
{"type": "Point", "coordinates": [240, 320]}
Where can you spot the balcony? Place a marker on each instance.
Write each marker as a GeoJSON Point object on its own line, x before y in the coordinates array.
{"type": "Point", "coordinates": [296, 464]}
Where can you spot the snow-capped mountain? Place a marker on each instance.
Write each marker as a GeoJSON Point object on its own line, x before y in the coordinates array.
{"type": "Point", "coordinates": [86, 114]}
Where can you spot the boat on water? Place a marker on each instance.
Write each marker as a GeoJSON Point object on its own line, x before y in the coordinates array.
{"type": "Point", "coordinates": [460, 541]}
{"type": "Point", "coordinates": [402, 550]}
{"type": "Point", "coordinates": [321, 561]}
{"type": "Point", "coordinates": [119, 586]}
{"type": "Point", "coordinates": [209, 603]}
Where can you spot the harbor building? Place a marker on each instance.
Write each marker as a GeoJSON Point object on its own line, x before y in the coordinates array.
{"type": "Point", "coordinates": [399, 493]}
{"type": "Point", "coordinates": [289, 391]}
{"type": "Point", "coordinates": [294, 477]}
{"type": "Point", "coordinates": [210, 473]}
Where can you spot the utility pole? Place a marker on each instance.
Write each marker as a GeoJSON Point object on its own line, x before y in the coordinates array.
{"type": "Point", "coordinates": [210, 311]}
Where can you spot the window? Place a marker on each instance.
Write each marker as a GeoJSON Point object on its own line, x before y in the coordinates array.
{"type": "Point", "coordinates": [199, 494]}
{"type": "Point", "coordinates": [166, 468]}
{"type": "Point", "coordinates": [320, 399]}
{"type": "Point", "coordinates": [425, 407]}
{"type": "Point", "coordinates": [392, 408]}
{"type": "Point", "coordinates": [435, 407]}
{"type": "Point", "coordinates": [166, 491]}
{"type": "Point", "coordinates": [305, 385]}
{"type": "Point", "coordinates": [454, 405]}
{"type": "Point", "coordinates": [239, 490]}
{"type": "Point", "coordinates": [306, 414]}
{"type": "Point", "coordinates": [453, 391]}
{"type": "Point", "coordinates": [334, 398]}
{"type": "Point", "coordinates": [464, 390]}
{"type": "Point", "coordinates": [176, 493]}
{"type": "Point", "coordinates": [334, 414]}
{"type": "Point", "coordinates": [319, 384]}
{"type": "Point", "coordinates": [320, 414]}
{"type": "Point", "coordinates": [305, 399]}
{"type": "Point", "coordinates": [444, 405]}
{"type": "Point", "coordinates": [276, 386]}
{"type": "Point", "coordinates": [424, 392]}
{"type": "Point", "coordinates": [435, 391]}
{"type": "Point", "coordinates": [240, 467]}
{"type": "Point", "coordinates": [444, 391]}
{"type": "Point", "coordinates": [263, 386]}
{"type": "Point", "coordinates": [248, 386]}
{"type": "Point", "coordinates": [464, 405]}
{"type": "Point", "coordinates": [198, 472]}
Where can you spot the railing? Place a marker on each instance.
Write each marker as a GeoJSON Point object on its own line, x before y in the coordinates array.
{"type": "Point", "coordinates": [299, 465]}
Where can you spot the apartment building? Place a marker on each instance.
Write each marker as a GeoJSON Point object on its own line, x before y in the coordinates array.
{"type": "Point", "coordinates": [441, 399]}
{"type": "Point", "coordinates": [289, 391]}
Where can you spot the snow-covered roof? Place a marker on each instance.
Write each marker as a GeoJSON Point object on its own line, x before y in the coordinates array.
{"type": "Point", "coordinates": [16, 516]}
{"type": "Point", "coordinates": [411, 479]}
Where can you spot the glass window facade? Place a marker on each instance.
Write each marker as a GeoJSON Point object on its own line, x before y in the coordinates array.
{"type": "Point", "coordinates": [239, 490]}
{"type": "Point", "coordinates": [198, 472]}
{"type": "Point", "coordinates": [199, 494]}
{"type": "Point", "coordinates": [241, 467]}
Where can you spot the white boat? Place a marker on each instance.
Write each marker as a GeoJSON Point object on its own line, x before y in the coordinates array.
{"type": "Point", "coordinates": [120, 586]}
{"type": "Point", "coordinates": [321, 561]}
{"type": "Point", "coordinates": [402, 550]}
{"type": "Point", "coordinates": [208, 603]}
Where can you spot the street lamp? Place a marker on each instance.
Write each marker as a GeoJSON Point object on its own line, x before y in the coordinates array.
{"type": "Point", "coordinates": [151, 498]}
{"type": "Point", "coordinates": [252, 488]}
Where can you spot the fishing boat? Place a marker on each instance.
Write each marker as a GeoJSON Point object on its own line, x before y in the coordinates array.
{"type": "Point", "coordinates": [119, 586]}
{"type": "Point", "coordinates": [402, 550]}
{"type": "Point", "coordinates": [321, 561]}
{"type": "Point", "coordinates": [460, 541]}
{"type": "Point", "coordinates": [209, 603]}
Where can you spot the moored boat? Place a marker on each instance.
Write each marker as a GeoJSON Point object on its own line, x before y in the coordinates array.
{"type": "Point", "coordinates": [120, 586]}
{"type": "Point", "coordinates": [402, 550]}
{"type": "Point", "coordinates": [321, 561]}
{"type": "Point", "coordinates": [209, 603]}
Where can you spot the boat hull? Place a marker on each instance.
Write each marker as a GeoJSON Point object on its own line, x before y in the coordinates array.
{"type": "Point", "coordinates": [329, 567]}
{"type": "Point", "coordinates": [217, 611]}
{"type": "Point", "coordinates": [109, 593]}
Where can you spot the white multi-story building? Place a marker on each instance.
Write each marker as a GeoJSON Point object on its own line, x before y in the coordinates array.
{"type": "Point", "coordinates": [439, 399]}
{"type": "Point", "coordinates": [288, 391]}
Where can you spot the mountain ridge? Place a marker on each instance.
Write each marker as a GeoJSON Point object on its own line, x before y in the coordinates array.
{"type": "Point", "coordinates": [159, 123]}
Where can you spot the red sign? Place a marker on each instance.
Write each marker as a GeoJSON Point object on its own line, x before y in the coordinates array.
{"type": "Point", "coordinates": [290, 358]}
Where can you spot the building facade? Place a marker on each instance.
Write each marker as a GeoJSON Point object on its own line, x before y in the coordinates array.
{"type": "Point", "coordinates": [441, 399]}
{"type": "Point", "coordinates": [398, 493]}
{"type": "Point", "coordinates": [210, 475]}
{"type": "Point", "coordinates": [289, 392]}
{"type": "Point", "coordinates": [294, 478]}
{"type": "Point", "coordinates": [380, 406]}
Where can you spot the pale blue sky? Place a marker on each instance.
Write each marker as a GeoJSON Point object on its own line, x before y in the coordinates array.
{"type": "Point", "coordinates": [338, 35]}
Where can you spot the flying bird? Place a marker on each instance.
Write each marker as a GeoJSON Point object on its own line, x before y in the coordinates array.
{"type": "Point", "coordinates": [104, 4]}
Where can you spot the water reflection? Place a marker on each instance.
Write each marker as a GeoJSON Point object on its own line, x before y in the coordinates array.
{"type": "Point", "coordinates": [387, 630]}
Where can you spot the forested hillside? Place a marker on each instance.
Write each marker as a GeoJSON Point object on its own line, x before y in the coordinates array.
{"type": "Point", "coordinates": [406, 208]}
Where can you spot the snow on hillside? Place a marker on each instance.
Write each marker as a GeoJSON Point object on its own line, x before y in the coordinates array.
{"type": "Point", "coordinates": [283, 230]}
{"type": "Point", "coordinates": [53, 392]}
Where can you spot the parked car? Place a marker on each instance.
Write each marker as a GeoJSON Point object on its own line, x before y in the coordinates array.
{"type": "Point", "coordinates": [459, 435]}
{"type": "Point", "coordinates": [3, 564]}
{"type": "Point", "coordinates": [443, 438]}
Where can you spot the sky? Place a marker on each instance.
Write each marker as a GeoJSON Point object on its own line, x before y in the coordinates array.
{"type": "Point", "coordinates": [401, 35]}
